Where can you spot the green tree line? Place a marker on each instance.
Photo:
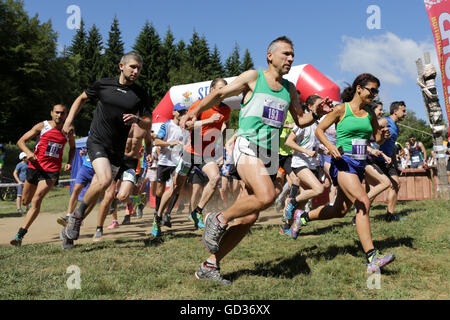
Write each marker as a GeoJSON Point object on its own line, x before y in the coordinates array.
{"type": "Point", "coordinates": [35, 76]}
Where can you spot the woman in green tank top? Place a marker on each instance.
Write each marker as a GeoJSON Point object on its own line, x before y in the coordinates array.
{"type": "Point", "coordinates": [355, 123]}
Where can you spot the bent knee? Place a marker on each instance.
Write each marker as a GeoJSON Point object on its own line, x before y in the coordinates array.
{"type": "Point", "coordinates": [264, 201]}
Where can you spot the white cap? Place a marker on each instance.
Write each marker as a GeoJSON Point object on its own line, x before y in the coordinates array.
{"type": "Point", "coordinates": [22, 155]}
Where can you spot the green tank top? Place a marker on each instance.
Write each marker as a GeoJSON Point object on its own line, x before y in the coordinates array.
{"type": "Point", "coordinates": [261, 118]}
{"type": "Point", "coordinates": [286, 151]}
{"type": "Point", "coordinates": [352, 127]}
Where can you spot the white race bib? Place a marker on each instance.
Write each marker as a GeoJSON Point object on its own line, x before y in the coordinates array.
{"type": "Point", "coordinates": [359, 149]}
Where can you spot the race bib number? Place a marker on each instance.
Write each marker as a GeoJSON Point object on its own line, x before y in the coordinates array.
{"type": "Point", "coordinates": [415, 159]}
{"type": "Point", "coordinates": [53, 149]}
{"type": "Point", "coordinates": [273, 114]}
{"type": "Point", "coordinates": [359, 149]}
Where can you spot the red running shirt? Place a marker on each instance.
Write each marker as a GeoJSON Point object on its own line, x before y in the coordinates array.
{"type": "Point", "coordinates": [209, 131]}
{"type": "Point", "coordinates": [49, 149]}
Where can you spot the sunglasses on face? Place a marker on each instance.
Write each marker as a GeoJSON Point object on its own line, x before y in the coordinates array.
{"type": "Point", "coordinates": [373, 91]}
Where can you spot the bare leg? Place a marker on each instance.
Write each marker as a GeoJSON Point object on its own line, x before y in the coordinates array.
{"type": "Point", "coordinates": [43, 187]}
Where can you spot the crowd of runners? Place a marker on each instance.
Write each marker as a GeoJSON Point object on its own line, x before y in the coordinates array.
{"type": "Point", "coordinates": [285, 153]}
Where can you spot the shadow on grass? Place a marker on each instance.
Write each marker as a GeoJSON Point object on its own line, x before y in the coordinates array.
{"type": "Point", "coordinates": [296, 264]}
{"type": "Point", "coordinates": [286, 268]}
{"type": "Point", "coordinates": [319, 231]}
{"type": "Point", "coordinates": [402, 213]}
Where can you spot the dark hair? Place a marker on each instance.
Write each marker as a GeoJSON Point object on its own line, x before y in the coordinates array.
{"type": "Point", "coordinates": [361, 80]}
{"type": "Point", "coordinates": [375, 103]}
{"type": "Point", "coordinates": [310, 101]}
{"type": "Point", "coordinates": [285, 39]}
{"type": "Point", "coordinates": [217, 80]}
{"type": "Point", "coordinates": [412, 136]}
{"type": "Point", "coordinates": [395, 105]}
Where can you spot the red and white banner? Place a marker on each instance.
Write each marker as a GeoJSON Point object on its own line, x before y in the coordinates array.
{"type": "Point", "coordinates": [439, 15]}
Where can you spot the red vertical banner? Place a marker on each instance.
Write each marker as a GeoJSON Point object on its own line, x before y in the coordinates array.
{"type": "Point", "coordinates": [439, 15]}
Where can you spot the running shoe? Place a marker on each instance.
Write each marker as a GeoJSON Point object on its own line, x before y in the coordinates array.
{"type": "Point", "coordinates": [166, 220]}
{"type": "Point", "coordinates": [97, 236]}
{"type": "Point", "coordinates": [205, 272]}
{"type": "Point", "coordinates": [297, 224]}
{"type": "Point", "coordinates": [213, 232]}
{"type": "Point", "coordinates": [392, 217]}
{"type": "Point", "coordinates": [66, 242]}
{"type": "Point", "coordinates": [285, 230]}
{"type": "Point", "coordinates": [288, 210]}
{"type": "Point", "coordinates": [139, 211]}
{"type": "Point", "coordinates": [72, 229]}
{"type": "Point", "coordinates": [156, 228]}
{"type": "Point", "coordinates": [113, 225]}
{"type": "Point", "coordinates": [197, 219]}
{"type": "Point", "coordinates": [379, 260]}
{"type": "Point", "coordinates": [200, 223]}
{"type": "Point", "coordinates": [62, 220]}
{"type": "Point", "coordinates": [17, 240]}
{"type": "Point", "coordinates": [126, 220]}
{"type": "Point", "coordinates": [19, 211]}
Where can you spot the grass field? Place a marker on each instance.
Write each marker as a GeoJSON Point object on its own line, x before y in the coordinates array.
{"type": "Point", "coordinates": [325, 262]}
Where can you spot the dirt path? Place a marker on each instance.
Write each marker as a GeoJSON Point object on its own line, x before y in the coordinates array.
{"type": "Point", "coordinates": [46, 230]}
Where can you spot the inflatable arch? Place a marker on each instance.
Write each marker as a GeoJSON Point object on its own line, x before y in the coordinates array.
{"type": "Point", "coordinates": [307, 79]}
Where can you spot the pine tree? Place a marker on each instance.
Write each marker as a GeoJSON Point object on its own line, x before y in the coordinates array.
{"type": "Point", "coordinates": [247, 62]}
{"type": "Point", "coordinates": [33, 77]}
{"type": "Point", "coordinates": [215, 65]}
{"type": "Point", "coordinates": [198, 52]}
{"type": "Point", "coordinates": [113, 52]}
{"type": "Point", "coordinates": [232, 64]}
{"type": "Point", "coordinates": [148, 45]}
{"type": "Point", "coordinates": [94, 47]}
{"type": "Point", "coordinates": [79, 42]}
{"type": "Point", "coordinates": [169, 56]}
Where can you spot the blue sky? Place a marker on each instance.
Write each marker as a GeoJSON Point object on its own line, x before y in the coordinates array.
{"type": "Point", "coordinates": [331, 35]}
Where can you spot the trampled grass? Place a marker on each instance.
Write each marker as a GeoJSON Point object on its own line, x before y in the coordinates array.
{"type": "Point", "coordinates": [325, 262]}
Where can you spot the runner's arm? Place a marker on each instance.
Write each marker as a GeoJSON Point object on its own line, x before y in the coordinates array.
{"type": "Point", "coordinates": [72, 152]}
{"type": "Point", "coordinates": [74, 109]}
{"type": "Point", "coordinates": [332, 117]}
{"type": "Point", "coordinates": [22, 142]}
{"type": "Point", "coordinates": [245, 81]}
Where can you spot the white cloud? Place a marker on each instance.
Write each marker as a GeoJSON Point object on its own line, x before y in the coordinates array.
{"type": "Point", "coordinates": [388, 57]}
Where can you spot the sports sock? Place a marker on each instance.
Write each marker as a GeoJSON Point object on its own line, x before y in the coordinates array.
{"type": "Point", "coordinates": [369, 254]}
{"type": "Point", "coordinates": [172, 204]}
{"type": "Point", "coordinates": [283, 192]}
{"type": "Point", "coordinates": [198, 210]}
{"type": "Point", "coordinates": [158, 202]}
{"type": "Point", "coordinates": [294, 191]}
{"type": "Point", "coordinates": [22, 232]}
{"type": "Point", "coordinates": [79, 213]}
{"type": "Point", "coordinates": [294, 202]}
{"type": "Point", "coordinates": [305, 215]}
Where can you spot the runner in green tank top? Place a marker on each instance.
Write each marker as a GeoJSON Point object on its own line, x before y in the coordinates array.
{"type": "Point", "coordinates": [266, 99]}
{"type": "Point", "coordinates": [355, 124]}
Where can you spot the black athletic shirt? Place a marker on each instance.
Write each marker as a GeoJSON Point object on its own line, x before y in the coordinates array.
{"type": "Point", "coordinates": [115, 100]}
